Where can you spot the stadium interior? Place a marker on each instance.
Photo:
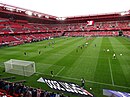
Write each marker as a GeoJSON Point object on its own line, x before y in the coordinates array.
{"type": "Point", "coordinates": [20, 26]}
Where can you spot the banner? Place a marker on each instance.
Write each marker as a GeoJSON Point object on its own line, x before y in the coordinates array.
{"type": "Point", "coordinates": [65, 86]}
{"type": "Point", "coordinates": [90, 23]}
{"type": "Point", "coordinates": [112, 93]}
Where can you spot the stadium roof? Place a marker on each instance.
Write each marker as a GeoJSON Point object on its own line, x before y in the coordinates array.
{"type": "Point", "coordinates": [65, 8]}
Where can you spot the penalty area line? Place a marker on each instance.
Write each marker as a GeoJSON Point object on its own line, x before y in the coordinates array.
{"type": "Point", "coordinates": [60, 71]}
{"type": "Point", "coordinates": [94, 82]}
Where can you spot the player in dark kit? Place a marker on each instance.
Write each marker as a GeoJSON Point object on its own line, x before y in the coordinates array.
{"type": "Point", "coordinates": [25, 53]}
{"type": "Point", "coordinates": [82, 82]}
{"type": "Point", "coordinates": [39, 52]}
{"type": "Point", "coordinates": [95, 45]}
{"type": "Point", "coordinates": [52, 73]}
{"type": "Point", "coordinates": [81, 47]}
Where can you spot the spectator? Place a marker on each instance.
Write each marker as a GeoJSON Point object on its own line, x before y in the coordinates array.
{"type": "Point", "coordinates": [52, 94]}
{"type": "Point", "coordinates": [38, 92]}
{"type": "Point", "coordinates": [11, 89]}
{"type": "Point", "coordinates": [57, 95]}
{"type": "Point", "coordinates": [29, 93]}
{"type": "Point", "coordinates": [7, 87]}
{"type": "Point", "coordinates": [62, 95]}
{"type": "Point", "coordinates": [34, 93]}
{"type": "Point", "coordinates": [20, 90]}
{"type": "Point", "coordinates": [4, 95]}
{"type": "Point", "coordinates": [42, 94]}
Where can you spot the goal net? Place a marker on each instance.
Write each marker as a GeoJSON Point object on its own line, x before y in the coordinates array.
{"type": "Point", "coordinates": [20, 67]}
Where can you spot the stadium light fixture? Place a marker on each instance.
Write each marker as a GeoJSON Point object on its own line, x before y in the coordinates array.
{"type": "Point", "coordinates": [57, 18]}
{"type": "Point", "coordinates": [46, 16]}
{"type": "Point", "coordinates": [29, 13]}
{"type": "Point", "coordinates": [39, 15]}
{"type": "Point", "coordinates": [1, 4]}
{"type": "Point", "coordinates": [124, 13]}
{"type": "Point", "coordinates": [20, 10]}
{"type": "Point", "coordinates": [61, 18]}
{"type": "Point", "coordinates": [9, 8]}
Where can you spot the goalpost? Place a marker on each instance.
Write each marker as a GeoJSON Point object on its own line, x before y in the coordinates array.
{"type": "Point", "coordinates": [20, 67]}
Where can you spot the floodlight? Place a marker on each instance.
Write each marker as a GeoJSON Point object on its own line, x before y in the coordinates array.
{"type": "Point", "coordinates": [1, 4]}
{"type": "Point", "coordinates": [39, 15]}
{"type": "Point", "coordinates": [29, 13]}
{"type": "Point", "coordinates": [61, 18]}
{"type": "Point", "coordinates": [124, 13]}
{"type": "Point", "coordinates": [9, 8]}
{"type": "Point", "coordinates": [46, 16]}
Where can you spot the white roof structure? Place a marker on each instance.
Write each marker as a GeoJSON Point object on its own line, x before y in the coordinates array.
{"type": "Point", "coordinates": [65, 8]}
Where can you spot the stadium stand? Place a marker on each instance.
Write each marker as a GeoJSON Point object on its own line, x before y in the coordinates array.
{"type": "Point", "coordinates": [15, 33]}
{"type": "Point", "coordinates": [17, 89]}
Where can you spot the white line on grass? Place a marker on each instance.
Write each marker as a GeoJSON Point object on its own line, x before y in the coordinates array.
{"type": "Point", "coordinates": [111, 72]}
{"type": "Point", "coordinates": [60, 71]}
{"type": "Point", "coordinates": [94, 82]}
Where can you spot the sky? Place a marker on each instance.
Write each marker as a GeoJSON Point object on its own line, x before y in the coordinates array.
{"type": "Point", "coordinates": [65, 8]}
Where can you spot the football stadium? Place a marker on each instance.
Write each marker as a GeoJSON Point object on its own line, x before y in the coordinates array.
{"type": "Point", "coordinates": [43, 55]}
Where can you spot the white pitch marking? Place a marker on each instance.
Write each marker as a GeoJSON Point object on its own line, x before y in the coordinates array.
{"type": "Point", "coordinates": [60, 71]}
{"type": "Point", "coordinates": [94, 82]}
{"type": "Point", "coordinates": [111, 72]}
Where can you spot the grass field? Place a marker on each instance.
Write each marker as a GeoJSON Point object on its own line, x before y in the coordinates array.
{"type": "Point", "coordinates": [97, 66]}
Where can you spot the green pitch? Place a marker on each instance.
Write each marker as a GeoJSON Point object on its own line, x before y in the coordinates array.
{"type": "Point", "coordinates": [71, 59]}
